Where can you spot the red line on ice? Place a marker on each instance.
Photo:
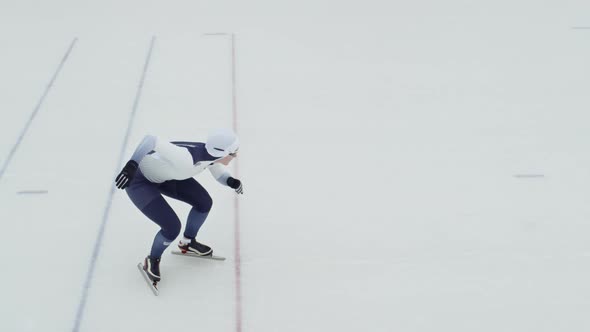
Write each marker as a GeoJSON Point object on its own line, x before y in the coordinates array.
{"type": "Point", "coordinates": [237, 253]}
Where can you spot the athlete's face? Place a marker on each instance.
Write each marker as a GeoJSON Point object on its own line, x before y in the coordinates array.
{"type": "Point", "coordinates": [227, 159]}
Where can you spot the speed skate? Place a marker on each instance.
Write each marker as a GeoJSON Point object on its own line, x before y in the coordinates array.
{"type": "Point", "coordinates": [152, 284]}
{"type": "Point", "coordinates": [192, 254]}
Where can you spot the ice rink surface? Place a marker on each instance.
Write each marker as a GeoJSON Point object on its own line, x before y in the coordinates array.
{"type": "Point", "coordinates": [408, 166]}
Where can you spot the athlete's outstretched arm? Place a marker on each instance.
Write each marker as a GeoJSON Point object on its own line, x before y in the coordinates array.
{"type": "Point", "coordinates": [222, 176]}
{"type": "Point", "coordinates": [220, 173]}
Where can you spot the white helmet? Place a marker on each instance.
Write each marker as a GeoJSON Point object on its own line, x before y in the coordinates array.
{"type": "Point", "coordinates": [222, 142]}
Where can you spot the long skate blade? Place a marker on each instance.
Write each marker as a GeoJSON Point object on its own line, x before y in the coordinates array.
{"type": "Point", "coordinates": [150, 283]}
{"type": "Point", "coordinates": [190, 254]}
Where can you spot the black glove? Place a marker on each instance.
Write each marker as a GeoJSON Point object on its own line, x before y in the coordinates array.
{"type": "Point", "coordinates": [126, 175]}
{"type": "Point", "coordinates": [235, 184]}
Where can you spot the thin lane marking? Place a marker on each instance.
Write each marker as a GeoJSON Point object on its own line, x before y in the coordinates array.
{"type": "Point", "coordinates": [24, 131]}
{"type": "Point", "coordinates": [106, 211]}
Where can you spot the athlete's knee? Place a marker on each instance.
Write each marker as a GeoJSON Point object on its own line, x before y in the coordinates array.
{"type": "Point", "coordinates": [171, 230]}
{"type": "Point", "coordinates": [205, 204]}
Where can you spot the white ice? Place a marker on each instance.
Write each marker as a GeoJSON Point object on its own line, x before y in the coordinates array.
{"type": "Point", "coordinates": [382, 144]}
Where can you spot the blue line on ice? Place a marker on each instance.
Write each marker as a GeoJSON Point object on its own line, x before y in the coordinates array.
{"type": "Point", "coordinates": [98, 243]}
{"type": "Point", "coordinates": [36, 109]}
